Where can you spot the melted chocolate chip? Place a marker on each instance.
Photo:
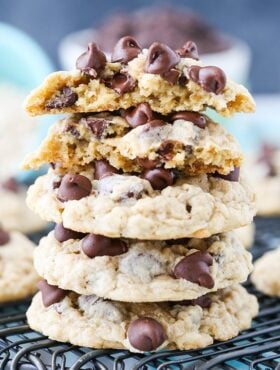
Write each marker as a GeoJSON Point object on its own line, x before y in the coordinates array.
{"type": "Point", "coordinates": [171, 76]}
{"type": "Point", "coordinates": [92, 62]}
{"type": "Point", "coordinates": [4, 237]}
{"type": "Point", "coordinates": [97, 126]}
{"type": "Point", "coordinates": [121, 82]}
{"type": "Point", "coordinates": [139, 116]}
{"type": "Point", "coordinates": [211, 79]}
{"type": "Point", "coordinates": [67, 98]}
{"type": "Point", "coordinates": [62, 234]}
{"type": "Point", "coordinates": [147, 163]}
{"type": "Point", "coordinates": [125, 50]}
{"type": "Point", "coordinates": [56, 184]}
{"type": "Point", "coordinates": [204, 301]}
{"type": "Point", "coordinates": [102, 168]}
{"type": "Point", "coordinates": [166, 149]}
{"type": "Point", "coordinates": [146, 334]}
{"type": "Point", "coordinates": [232, 176]}
{"type": "Point", "coordinates": [74, 187]}
{"type": "Point", "coordinates": [50, 293]}
{"type": "Point", "coordinates": [160, 59]}
{"type": "Point", "coordinates": [197, 119]}
{"type": "Point", "coordinates": [188, 50]}
{"type": "Point", "coordinates": [99, 245]}
{"type": "Point", "coordinates": [195, 268]}
{"type": "Point", "coordinates": [11, 185]}
{"type": "Point", "coordinates": [159, 178]}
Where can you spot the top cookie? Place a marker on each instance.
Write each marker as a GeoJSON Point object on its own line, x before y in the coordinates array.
{"type": "Point", "coordinates": [166, 79]}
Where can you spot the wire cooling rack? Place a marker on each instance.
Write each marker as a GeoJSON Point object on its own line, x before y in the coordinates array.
{"type": "Point", "coordinates": [257, 348]}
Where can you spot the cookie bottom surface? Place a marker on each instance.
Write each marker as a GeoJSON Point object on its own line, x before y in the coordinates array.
{"type": "Point", "coordinates": [97, 323]}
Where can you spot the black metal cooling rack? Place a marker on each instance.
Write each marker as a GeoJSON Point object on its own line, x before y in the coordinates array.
{"type": "Point", "coordinates": [257, 348]}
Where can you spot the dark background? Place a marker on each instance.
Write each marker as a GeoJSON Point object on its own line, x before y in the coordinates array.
{"type": "Point", "coordinates": [255, 21]}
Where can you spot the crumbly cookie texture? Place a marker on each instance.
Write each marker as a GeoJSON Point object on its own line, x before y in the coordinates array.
{"type": "Point", "coordinates": [94, 96]}
{"type": "Point", "coordinates": [15, 215]}
{"type": "Point", "coordinates": [145, 273]}
{"type": "Point", "coordinates": [266, 274]}
{"type": "Point", "coordinates": [127, 206]}
{"type": "Point", "coordinates": [75, 141]}
{"type": "Point", "coordinates": [18, 278]}
{"type": "Point", "coordinates": [93, 322]}
{"type": "Point", "coordinates": [246, 235]}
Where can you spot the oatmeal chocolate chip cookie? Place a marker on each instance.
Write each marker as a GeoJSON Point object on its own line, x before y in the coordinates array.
{"type": "Point", "coordinates": [132, 207]}
{"type": "Point", "coordinates": [141, 271]}
{"type": "Point", "coordinates": [15, 215]}
{"type": "Point", "coordinates": [166, 79]}
{"type": "Point", "coordinates": [186, 140]}
{"type": "Point", "coordinates": [142, 327]}
{"type": "Point", "coordinates": [246, 235]}
{"type": "Point", "coordinates": [266, 274]}
{"type": "Point", "coordinates": [18, 278]}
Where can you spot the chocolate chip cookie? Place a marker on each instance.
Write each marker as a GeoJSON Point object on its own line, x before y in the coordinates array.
{"type": "Point", "coordinates": [100, 201]}
{"type": "Point", "coordinates": [141, 327]}
{"type": "Point", "coordinates": [166, 79]}
{"type": "Point", "coordinates": [139, 271]}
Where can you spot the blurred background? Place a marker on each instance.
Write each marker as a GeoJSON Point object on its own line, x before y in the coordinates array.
{"type": "Point", "coordinates": [39, 36]}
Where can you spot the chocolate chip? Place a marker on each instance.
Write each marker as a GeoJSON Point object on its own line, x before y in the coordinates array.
{"type": "Point", "coordinates": [188, 50]}
{"type": "Point", "coordinates": [160, 59]}
{"type": "Point", "coordinates": [232, 176]}
{"type": "Point", "coordinates": [197, 119]}
{"type": "Point", "coordinates": [97, 126]}
{"type": "Point", "coordinates": [121, 82]}
{"type": "Point", "coordinates": [211, 79]}
{"type": "Point", "coordinates": [159, 178]}
{"type": "Point", "coordinates": [50, 293]}
{"type": "Point", "coordinates": [62, 234]}
{"type": "Point", "coordinates": [11, 185]}
{"type": "Point", "coordinates": [125, 50]}
{"type": "Point", "coordinates": [73, 131]}
{"type": "Point", "coordinates": [166, 149]}
{"type": "Point", "coordinates": [171, 76]}
{"type": "Point", "coordinates": [4, 237]}
{"type": "Point", "coordinates": [195, 268]}
{"type": "Point", "coordinates": [99, 245]}
{"type": "Point", "coordinates": [182, 80]}
{"type": "Point", "coordinates": [139, 115]}
{"type": "Point", "coordinates": [152, 124]}
{"type": "Point", "coordinates": [204, 301]}
{"type": "Point", "coordinates": [67, 98]}
{"type": "Point", "coordinates": [92, 61]}
{"type": "Point", "coordinates": [73, 187]}
{"type": "Point", "coordinates": [102, 168]}
{"type": "Point", "coordinates": [146, 334]}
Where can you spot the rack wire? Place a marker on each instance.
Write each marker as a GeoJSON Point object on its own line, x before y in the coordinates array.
{"type": "Point", "coordinates": [257, 348]}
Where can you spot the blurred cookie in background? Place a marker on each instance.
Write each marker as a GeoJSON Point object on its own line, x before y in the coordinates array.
{"type": "Point", "coordinates": [266, 274]}
{"type": "Point", "coordinates": [18, 279]}
{"type": "Point", "coordinates": [264, 168]}
{"type": "Point", "coordinates": [246, 235]}
{"type": "Point", "coordinates": [17, 134]}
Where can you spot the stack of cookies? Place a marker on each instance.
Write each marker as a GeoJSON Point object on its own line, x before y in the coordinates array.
{"type": "Point", "coordinates": [145, 190]}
